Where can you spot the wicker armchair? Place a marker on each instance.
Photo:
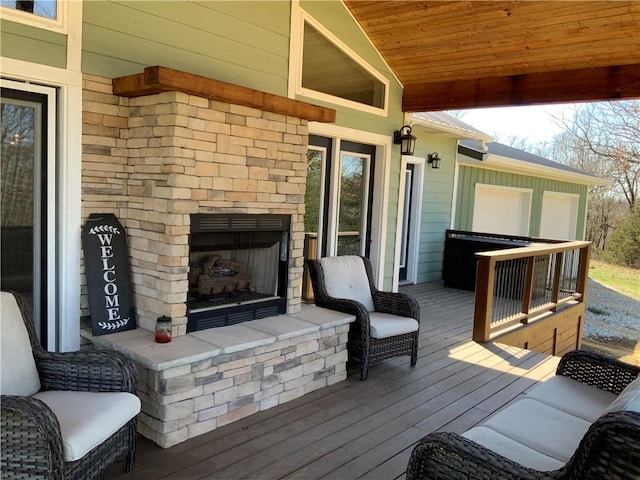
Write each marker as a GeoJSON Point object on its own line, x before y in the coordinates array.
{"type": "Point", "coordinates": [610, 450]}
{"type": "Point", "coordinates": [63, 415]}
{"type": "Point", "coordinates": [387, 324]}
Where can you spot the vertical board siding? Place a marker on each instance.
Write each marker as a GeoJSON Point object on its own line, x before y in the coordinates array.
{"type": "Point", "coordinates": [246, 43]}
{"type": "Point", "coordinates": [31, 44]}
{"type": "Point", "coordinates": [470, 176]}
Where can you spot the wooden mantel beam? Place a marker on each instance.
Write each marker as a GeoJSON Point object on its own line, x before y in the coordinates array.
{"type": "Point", "coordinates": [581, 85]}
{"type": "Point", "coordinates": [163, 79]}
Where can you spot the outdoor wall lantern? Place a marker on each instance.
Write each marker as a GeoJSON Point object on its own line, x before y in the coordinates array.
{"type": "Point", "coordinates": [406, 140]}
{"type": "Point", "coordinates": [434, 160]}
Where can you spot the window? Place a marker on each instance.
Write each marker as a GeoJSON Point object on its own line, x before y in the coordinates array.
{"type": "Point", "coordinates": [49, 14]}
{"type": "Point", "coordinates": [504, 210]}
{"type": "Point", "coordinates": [328, 70]}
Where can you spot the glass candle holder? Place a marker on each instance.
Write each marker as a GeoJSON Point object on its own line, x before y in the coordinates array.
{"type": "Point", "coordinates": [163, 329]}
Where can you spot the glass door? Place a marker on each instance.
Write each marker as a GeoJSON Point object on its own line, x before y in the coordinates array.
{"type": "Point", "coordinates": [353, 204]}
{"type": "Point", "coordinates": [338, 200]}
{"type": "Point", "coordinates": [26, 181]}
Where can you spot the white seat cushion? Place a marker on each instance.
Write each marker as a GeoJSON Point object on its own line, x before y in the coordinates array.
{"type": "Point", "coordinates": [346, 277]}
{"type": "Point", "coordinates": [385, 325]}
{"type": "Point", "coordinates": [19, 375]}
{"type": "Point", "coordinates": [87, 418]}
{"type": "Point", "coordinates": [512, 449]}
{"type": "Point", "coordinates": [561, 392]}
{"type": "Point", "coordinates": [628, 400]}
{"type": "Point", "coordinates": [540, 427]}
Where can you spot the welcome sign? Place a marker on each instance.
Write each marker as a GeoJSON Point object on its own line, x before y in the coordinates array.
{"type": "Point", "coordinates": [106, 260]}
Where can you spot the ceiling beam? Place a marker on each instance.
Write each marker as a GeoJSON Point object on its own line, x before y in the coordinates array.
{"type": "Point", "coordinates": [581, 85]}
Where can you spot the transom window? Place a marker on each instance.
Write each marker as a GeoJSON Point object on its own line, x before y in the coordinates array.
{"type": "Point", "coordinates": [48, 14]}
{"type": "Point", "coordinates": [42, 8]}
{"type": "Point", "coordinates": [327, 69]}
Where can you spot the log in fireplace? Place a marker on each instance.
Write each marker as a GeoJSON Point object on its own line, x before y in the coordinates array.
{"type": "Point", "coordinates": [238, 268]}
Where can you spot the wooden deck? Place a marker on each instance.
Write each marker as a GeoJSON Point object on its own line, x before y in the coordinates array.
{"type": "Point", "coordinates": [363, 430]}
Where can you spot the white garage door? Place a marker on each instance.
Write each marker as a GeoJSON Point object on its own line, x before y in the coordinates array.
{"type": "Point", "coordinates": [502, 210]}
{"type": "Point", "coordinates": [559, 215]}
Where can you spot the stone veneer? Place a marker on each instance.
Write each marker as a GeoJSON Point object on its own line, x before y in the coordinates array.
{"type": "Point", "coordinates": [207, 379]}
{"type": "Point", "coordinates": [156, 159]}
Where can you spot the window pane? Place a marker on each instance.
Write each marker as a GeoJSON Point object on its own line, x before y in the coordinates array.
{"type": "Point", "coordinates": [352, 205]}
{"type": "Point", "coordinates": [327, 69]}
{"type": "Point", "coordinates": [42, 8]}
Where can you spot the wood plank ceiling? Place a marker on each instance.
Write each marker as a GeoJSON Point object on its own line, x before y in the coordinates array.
{"type": "Point", "coordinates": [454, 54]}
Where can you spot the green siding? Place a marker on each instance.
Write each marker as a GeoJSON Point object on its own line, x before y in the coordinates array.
{"type": "Point", "coordinates": [31, 44]}
{"type": "Point", "coordinates": [245, 43]}
{"type": "Point", "coordinates": [436, 203]}
{"type": "Point", "coordinates": [470, 176]}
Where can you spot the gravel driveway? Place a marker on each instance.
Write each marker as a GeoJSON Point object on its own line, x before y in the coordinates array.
{"type": "Point", "coordinates": [612, 318]}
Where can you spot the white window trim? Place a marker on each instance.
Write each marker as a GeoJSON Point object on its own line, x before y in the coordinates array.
{"type": "Point", "coordinates": [298, 18]}
{"type": "Point", "coordinates": [58, 24]}
{"type": "Point", "coordinates": [416, 215]}
{"type": "Point", "coordinates": [69, 84]}
{"type": "Point", "coordinates": [381, 174]}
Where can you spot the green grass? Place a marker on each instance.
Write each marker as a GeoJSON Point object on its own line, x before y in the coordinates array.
{"type": "Point", "coordinates": [621, 279]}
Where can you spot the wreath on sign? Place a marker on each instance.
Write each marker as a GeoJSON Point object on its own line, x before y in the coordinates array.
{"type": "Point", "coordinates": [113, 325]}
{"type": "Point", "coordinates": [104, 229]}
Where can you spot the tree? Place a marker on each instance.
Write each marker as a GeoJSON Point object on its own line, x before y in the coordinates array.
{"type": "Point", "coordinates": [624, 247]}
{"type": "Point", "coordinates": [604, 139]}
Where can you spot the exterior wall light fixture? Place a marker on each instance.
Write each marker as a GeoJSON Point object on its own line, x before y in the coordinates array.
{"type": "Point", "coordinates": [404, 138]}
{"type": "Point", "coordinates": [434, 160]}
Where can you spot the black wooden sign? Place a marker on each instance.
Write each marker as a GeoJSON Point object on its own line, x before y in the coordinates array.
{"type": "Point", "coordinates": [106, 260]}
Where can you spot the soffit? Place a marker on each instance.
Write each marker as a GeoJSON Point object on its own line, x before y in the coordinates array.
{"type": "Point", "coordinates": [454, 54]}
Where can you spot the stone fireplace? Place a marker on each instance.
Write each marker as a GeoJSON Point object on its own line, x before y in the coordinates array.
{"type": "Point", "coordinates": [209, 185]}
{"type": "Point", "coordinates": [172, 157]}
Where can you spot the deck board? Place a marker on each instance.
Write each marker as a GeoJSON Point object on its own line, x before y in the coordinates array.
{"type": "Point", "coordinates": [363, 430]}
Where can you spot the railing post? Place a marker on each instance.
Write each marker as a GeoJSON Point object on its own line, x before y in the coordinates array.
{"type": "Point", "coordinates": [485, 279]}
{"type": "Point", "coordinates": [527, 294]}
{"type": "Point", "coordinates": [557, 273]}
{"type": "Point", "coordinates": [583, 271]}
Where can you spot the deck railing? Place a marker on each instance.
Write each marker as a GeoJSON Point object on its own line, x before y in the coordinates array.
{"type": "Point", "coordinates": [518, 285]}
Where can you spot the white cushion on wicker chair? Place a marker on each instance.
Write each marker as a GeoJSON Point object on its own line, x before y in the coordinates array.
{"type": "Point", "coordinates": [512, 449]}
{"type": "Point", "coordinates": [19, 374]}
{"type": "Point", "coordinates": [628, 400]}
{"type": "Point", "coordinates": [560, 392]}
{"type": "Point", "coordinates": [87, 419]}
{"type": "Point", "coordinates": [385, 325]}
{"type": "Point", "coordinates": [346, 277]}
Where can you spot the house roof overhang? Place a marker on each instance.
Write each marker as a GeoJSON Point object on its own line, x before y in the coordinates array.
{"type": "Point", "coordinates": [510, 165]}
{"type": "Point", "coordinates": [465, 54]}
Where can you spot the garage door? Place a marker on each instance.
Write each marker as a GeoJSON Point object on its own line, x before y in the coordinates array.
{"type": "Point", "coordinates": [559, 215]}
{"type": "Point", "coordinates": [502, 210]}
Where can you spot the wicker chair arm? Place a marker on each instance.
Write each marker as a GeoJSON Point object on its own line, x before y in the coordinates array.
{"type": "Point", "coordinates": [597, 370]}
{"type": "Point", "coordinates": [610, 450]}
{"type": "Point", "coordinates": [396, 303]}
{"type": "Point", "coordinates": [31, 439]}
{"type": "Point", "coordinates": [91, 371]}
{"type": "Point", "coordinates": [449, 456]}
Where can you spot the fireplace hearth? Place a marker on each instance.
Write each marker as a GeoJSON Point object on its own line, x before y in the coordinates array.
{"type": "Point", "coordinates": [238, 266]}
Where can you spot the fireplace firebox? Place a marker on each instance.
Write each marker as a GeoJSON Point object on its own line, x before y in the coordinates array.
{"type": "Point", "coordinates": [238, 268]}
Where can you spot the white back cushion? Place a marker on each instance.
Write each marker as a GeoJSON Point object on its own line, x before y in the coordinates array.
{"type": "Point", "coordinates": [628, 400]}
{"type": "Point", "coordinates": [346, 277]}
{"type": "Point", "coordinates": [18, 375]}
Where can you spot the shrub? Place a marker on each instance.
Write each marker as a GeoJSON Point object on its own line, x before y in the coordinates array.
{"type": "Point", "coordinates": [624, 245]}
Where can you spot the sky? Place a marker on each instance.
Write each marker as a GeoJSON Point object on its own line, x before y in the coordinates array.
{"type": "Point", "coordinates": [534, 123]}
